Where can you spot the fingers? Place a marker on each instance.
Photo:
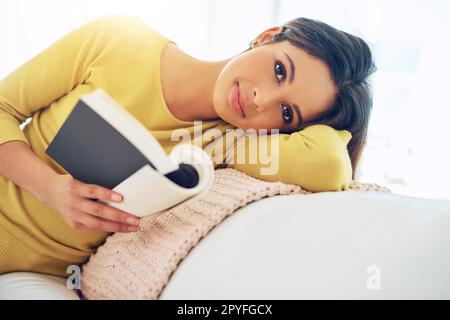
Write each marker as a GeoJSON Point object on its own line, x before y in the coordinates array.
{"type": "Point", "coordinates": [79, 226]}
{"type": "Point", "coordinates": [86, 221]}
{"type": "Point", "coordinates": [106, 212]}
{"type": "Point", "coordinates": [93, 191]}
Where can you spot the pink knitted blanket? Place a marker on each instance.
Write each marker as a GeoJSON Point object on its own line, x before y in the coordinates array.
{"type": "Point", "coordinates": [139, 265]}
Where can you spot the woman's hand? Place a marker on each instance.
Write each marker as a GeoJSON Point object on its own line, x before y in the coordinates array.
{"type": "Point", "coordinates": [75, 201]}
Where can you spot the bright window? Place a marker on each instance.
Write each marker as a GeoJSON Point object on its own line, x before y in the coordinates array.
{"type": "Point", "coordinates": [408, 149]}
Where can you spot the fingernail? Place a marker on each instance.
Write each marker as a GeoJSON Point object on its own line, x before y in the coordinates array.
{"type": "Point", "coordinates": [133, 221]}
{"type": "Point", "coordinates": [132, 229]}
{"type": "Point", "coordinates": [116, 198]}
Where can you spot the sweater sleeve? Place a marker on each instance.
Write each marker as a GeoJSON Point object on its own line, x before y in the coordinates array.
{"type": "Point", "coordinates": [53, 73]}
{"type": "Point", "coordinates": [315, 158]}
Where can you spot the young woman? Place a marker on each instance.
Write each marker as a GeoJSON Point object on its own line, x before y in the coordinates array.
{"type": "Point", "coordinates": [305, 78]}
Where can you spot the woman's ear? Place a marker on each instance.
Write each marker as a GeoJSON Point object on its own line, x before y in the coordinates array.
{"type": "Point", "coordinates": [266, 36]}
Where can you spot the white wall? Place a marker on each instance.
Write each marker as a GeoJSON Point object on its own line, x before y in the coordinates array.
{"type": "Point", "coordinates": [409, 131]}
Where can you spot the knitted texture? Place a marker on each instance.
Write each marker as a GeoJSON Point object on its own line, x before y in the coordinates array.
{"type": "Point", "coordinates": [139, 265]}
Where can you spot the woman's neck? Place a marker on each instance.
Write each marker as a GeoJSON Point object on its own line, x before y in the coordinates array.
{"type": "Point", "coordinates": [188, 84]}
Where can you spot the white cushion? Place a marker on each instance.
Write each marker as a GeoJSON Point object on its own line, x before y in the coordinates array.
{"type": "Point", "coordinates": [34, 286]}
{"type": "Point", "coordinates": [331, 245]}
{"type": "Point", "coordinates": [318, 246]}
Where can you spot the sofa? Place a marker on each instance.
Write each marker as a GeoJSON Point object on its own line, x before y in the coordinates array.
{"type": "Point", "coordinates": [327, 245]}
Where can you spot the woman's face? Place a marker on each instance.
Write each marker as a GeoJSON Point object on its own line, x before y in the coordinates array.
{"type": "Point", "coordinates": [270, 89]}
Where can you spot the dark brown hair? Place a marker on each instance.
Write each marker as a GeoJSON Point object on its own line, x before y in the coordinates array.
{"type": "Point", "coordinates": [350, 61]}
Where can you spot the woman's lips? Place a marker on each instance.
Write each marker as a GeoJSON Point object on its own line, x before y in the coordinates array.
{"type": "Point", "coordinates": [241, 100]}
{"type": "Point", "coordinates": [235, 101]}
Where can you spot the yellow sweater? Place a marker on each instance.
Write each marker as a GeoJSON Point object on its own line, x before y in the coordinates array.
{"type": "Point", "coordinates": [120, 54]}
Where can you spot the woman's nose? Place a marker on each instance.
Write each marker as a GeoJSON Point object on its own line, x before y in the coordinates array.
{"type": "Point", "coordinates": [257, 101]}
{"type": "Point", "coordinates": [262, 101]}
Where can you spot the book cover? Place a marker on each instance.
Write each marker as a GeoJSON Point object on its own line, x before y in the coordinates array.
{"type": "Point", "coordinates": [101, 143]}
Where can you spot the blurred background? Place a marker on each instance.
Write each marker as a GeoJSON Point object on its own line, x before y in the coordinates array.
{"type": "Point", "coordinates": [408, 147]}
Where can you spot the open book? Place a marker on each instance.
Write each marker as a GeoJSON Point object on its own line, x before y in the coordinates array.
{"type": "Point", "coordinates": [101, 143]}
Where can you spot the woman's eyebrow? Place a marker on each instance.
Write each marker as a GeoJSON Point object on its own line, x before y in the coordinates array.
{"type": "Point", "coordinates": [292, 73]}
{"type": "Point", "coordinates": [299, 116]}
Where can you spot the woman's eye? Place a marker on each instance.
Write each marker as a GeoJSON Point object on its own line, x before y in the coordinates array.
{"type": "Point", "coordinates": [279, 71]}
{"type": "Point", "coordinates": [286, 113]}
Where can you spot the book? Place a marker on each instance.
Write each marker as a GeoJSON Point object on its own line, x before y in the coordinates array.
{"type": "Point", "coordinates": [101, 143]}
